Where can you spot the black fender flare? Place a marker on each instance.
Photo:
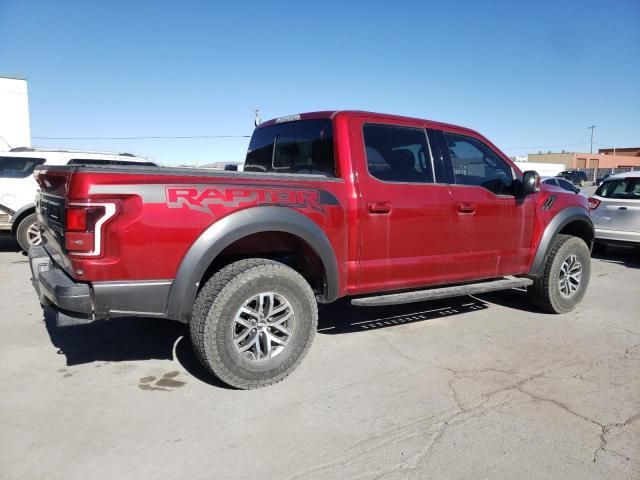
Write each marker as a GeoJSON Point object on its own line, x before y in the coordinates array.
{"type": "Point", "coordinates": [235, 226]}
{"type": "Point", "coordinates": [557, 223]}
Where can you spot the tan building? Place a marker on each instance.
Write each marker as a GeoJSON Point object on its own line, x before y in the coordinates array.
{"type": "Point", "coordinates": [624, 157]}
{"type": "Point", "coordinates": [627, 152]}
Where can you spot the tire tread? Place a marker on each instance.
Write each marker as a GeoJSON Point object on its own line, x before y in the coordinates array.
{"type": "Point", "coordinates": [213, 296]}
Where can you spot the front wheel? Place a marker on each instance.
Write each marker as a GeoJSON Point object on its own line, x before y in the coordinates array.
{"type": "Point", "coordinates": [253, 322]}
{"type": "Point", "coordinates": [566, 276]}
{"type": "Point", "coordinates": [28, 232]}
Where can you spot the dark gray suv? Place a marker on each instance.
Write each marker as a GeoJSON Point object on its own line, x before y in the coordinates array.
{"type": "Point", "coordinates": [574, 176]}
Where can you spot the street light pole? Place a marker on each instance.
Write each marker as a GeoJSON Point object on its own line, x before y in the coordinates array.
{"type": "Point", "coordinates": [592, 127]}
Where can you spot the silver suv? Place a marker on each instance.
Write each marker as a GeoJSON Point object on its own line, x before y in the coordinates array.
{"type": "Point", "coordinates": [615, 210]}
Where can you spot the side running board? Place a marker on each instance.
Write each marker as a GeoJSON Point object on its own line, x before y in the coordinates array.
{"type": "Point", "coordinates": [443, 292]}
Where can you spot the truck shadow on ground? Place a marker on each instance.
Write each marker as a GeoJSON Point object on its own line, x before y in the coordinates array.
{"type": "Point", "coordinates": [8, 243]}
{"type": "Point", "coordinates": [627, 256]}
{"type": "Point", "coordinates": [133, 339]}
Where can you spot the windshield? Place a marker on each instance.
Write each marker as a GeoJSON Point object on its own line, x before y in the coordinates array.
{"type": "Point", "coordinates": [304, 146]}
{"type": "Point", "coordinates": [624, 188]}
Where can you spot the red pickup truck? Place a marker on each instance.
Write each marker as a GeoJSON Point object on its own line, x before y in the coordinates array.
{"type": "Point", "coordinates": [380, 208]}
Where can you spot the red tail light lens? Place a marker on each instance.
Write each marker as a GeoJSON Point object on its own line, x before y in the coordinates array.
{"type": "Point", "coordinates": [593, 203]}
{"type": "Point", "coordinates": [83, 227]}
{"type": "Point", "coordinates": [81, 219]}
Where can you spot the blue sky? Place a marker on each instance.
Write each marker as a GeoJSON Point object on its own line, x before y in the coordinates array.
{"type": "Point", "coordinates": [529, 75]}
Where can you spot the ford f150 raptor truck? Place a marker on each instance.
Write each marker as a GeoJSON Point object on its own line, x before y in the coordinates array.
{"type": "Point", "coordinates": [380, 208]}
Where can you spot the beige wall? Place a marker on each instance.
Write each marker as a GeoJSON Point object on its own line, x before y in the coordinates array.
{"type": "Point", "coordinates": [565, 158]}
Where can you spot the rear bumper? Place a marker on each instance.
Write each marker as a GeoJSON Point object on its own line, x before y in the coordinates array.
{"type": "Point", "coordinates": [70, 300]}
{"type": "Point", "coordinates": [77, 303]}
{"type": "Point", "coordinates": [618, 236]}
{"type": "Point", "coordinates": [5, 220]}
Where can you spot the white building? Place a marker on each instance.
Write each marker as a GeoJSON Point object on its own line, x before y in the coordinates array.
{"type": "Point", "coordinates": [544, 169]}
{"type": "Point", "coordinates": [14, 113]}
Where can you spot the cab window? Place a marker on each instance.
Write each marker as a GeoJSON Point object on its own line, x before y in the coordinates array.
{"type": "Point", "coordinates": [397, 154]}
{"type": "Point", "coordinates": [304, 146]}
{"type": "Point", "coordinates": [474, 163]}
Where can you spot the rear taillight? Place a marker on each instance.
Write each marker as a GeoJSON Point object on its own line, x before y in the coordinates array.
{"type": "Point", "coordinates": [593, 203]}
{"type": "Point", "coordinates": [83, 227]}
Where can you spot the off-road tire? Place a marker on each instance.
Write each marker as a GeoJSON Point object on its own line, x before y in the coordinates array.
{"type": "Point", "coordinates": [215, 308]}
{"type": "Point", "coordinates": [22, 231]}
{"type": "Point", "coordinates": [545, 291]}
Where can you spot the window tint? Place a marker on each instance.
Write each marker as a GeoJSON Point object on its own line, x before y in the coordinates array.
{"type": "Point", "coordinates": [474, 163]}
{"type": "Point", "coordinates": [551, 181]}
{"type": "Point", "coordinates": [397, 154]}
{"type": "Point", "coordinates": [18, 167]}
{"type": "Point", "coordinates": [304, 146]}
{"type": "Point", "coordinates": [626, 188]}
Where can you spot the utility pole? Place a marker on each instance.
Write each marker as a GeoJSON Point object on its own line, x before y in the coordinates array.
{"type": "Point", "coordinates": [592, 127]}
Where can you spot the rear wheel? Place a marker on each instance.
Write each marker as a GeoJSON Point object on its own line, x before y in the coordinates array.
{"type": "Point", "coordinates": [253, 322]}
{"type": "Point", "coordinates": [28, 232]}
{"type": "Point", "coordinates": [566, 276]}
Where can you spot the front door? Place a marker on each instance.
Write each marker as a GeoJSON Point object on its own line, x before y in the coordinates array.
{"type": "Point", "coordinates": [404, 217]}
{"type": "Point", "coordinates": [491, 227]}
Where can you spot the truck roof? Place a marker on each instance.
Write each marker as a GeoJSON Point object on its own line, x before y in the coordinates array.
{"type": "Point", "coordinates": [330, 114]}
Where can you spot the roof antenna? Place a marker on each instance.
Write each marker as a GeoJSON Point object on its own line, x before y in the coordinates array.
{"type": "Point", "coordinates": [7, 143]}
{"type": "Point", "coordinates": [256, 122]}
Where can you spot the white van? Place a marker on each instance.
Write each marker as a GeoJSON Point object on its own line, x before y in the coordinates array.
{"type": "Point", "coordinates": [18, 187]}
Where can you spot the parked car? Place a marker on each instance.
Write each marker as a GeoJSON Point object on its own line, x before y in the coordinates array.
{"type": "Point", "coordinates": [562, 183]}
{"type": "Point", "coordinates": [18, 187]}
{"type": "Point", "coordinates": [380, 208]}
{"type": "Point", "coordinates": [577, 177]}
{"type": "Point", "coordinates": [615, 210]}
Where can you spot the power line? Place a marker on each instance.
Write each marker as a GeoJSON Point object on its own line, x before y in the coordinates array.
{"type": "Point", "coordinates": [150, 137]}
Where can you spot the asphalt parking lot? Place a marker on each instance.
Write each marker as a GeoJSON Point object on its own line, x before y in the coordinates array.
{"type": "Point", "coordinates": [477, 387]}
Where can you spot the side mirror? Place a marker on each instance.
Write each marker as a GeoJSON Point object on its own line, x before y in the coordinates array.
{"type": "Point", "coordinates": [530, 182]}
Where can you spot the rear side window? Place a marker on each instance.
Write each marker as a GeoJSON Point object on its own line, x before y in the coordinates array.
{"type": "Point", "coordinates": [474, 163]}
{"type": "Point", "coordinates": [624, 188]}
{"type": "Point", "coordinates": [397, 154]}
{"type": "Point", "coordinates": [18, 167]}
{"type": "Point", "coordinates": [304, 146]}
{"type": "Point", "coordinates": [566, 185]}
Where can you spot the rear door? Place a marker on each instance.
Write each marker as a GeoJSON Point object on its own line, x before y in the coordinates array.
{"type": "Point", "coordinates": [491, 228]}
{"type": "Point", "coordinates": [404, 216]}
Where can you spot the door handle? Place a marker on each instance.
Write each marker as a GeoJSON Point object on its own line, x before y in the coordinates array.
{"type": "Point", "coordinates": [379, 207]}
{"type": "Point", "coordinates": [466, 207]}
